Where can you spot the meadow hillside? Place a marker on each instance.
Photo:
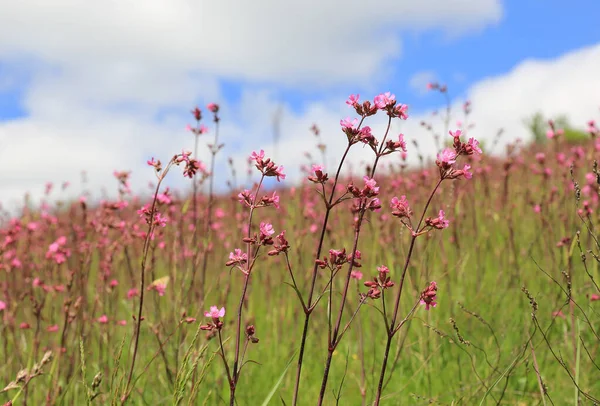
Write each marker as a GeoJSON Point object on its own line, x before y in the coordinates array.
{"type": "Point", "coordinates": [292, 295]}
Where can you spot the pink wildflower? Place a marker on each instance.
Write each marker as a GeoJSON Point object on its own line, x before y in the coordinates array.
{"type": "Point", "coordinates": [215, 312]}
{"type": "Point", "coordinates": [352, 100]}
{"type": "Point", "coordinates": [429, 296]}
{"type": "Point", "coordinates": [384, 100]}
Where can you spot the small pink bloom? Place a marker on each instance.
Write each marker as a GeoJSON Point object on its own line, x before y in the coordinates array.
{"type": "Point", "coordinates": [2, 305]}
{"type": "Point", "coordinates": [348, 123]}
{"type": "Point", "coordinates": [257, 156]}
{"type": "Point", "coordinates": [266, 229]}
{"type": "Point", "coordinates": [594, 297]}
{"type": "Point", "coordinates": [213, 107]}
{"type": "Point", "coordinates": [131, 293]}
{"type": "Point", "coordinates": [215, 312]}
{"type": "Point", "coordinates": [356, 275]}
{"type": "Point", "coordinates": [24, 326]}
{"type": "Point", "coordinates": [52, 329]}
{"type": "Point", "coordinates": [446, 158]}
{"type": "Point", "coordinates": [473, 143]}
{"type": "Point", "coordinates": [160, 288]}
{"type": "Point", "coordinates": [384, 100]}
{"type": "Point", "coordinates": [103, 319]}
{"type": "Point", "coordinates": [383, 269]}
{"type": "Point", "coordinates": [429, 295]}
{"type": "Point", "coordinates": [352, 100]}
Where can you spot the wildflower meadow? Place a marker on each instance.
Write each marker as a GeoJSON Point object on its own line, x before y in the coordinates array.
{"type": "Point", "coordinates": [467, 278]}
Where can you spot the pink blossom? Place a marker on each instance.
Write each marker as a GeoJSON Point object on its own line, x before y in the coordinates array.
{"type": "Point", "coordinates": [446, 158]}
{"type": "Point", "coordinates": [266, 229]}
{"type": "Point", "coordinates": [439, 223]}
{"type": "Point", "coordinates": [212, 107]}
{"type": "Point", "coordinates": [474, 144]}
{"type": "Point", "coordinates": [384, 100]}
{"type": "Point", "coordinates": [238, 256]}
{"type": "Point", "coordinates": [131, 293]}
{"type": "Point", "coordinates": [24, 326]}
{"type": "Point", "coordinates": [52, 329]}
{"type": "Point", "coordinates": [160, 288]}
{"type": "Point", "coordinates": [400, 111]}
{"type": "Point", "coordinates": [594, 297]}
{"type": "Point", "coordinates": [429, 295]}
{"type": "Point", "coordinates": [371, 188]}
{"type": "Point", "coordinates": [257, 156]}
{"type": "Point", "coordinates": [465, 171]}
{"type": "Point", "coordinates": [215, 312]}
{"type": "Point", "coordinates": [103, 319]}
{"type": "Point", "coordinates": [348, 123]}
{"type": "Point", "coordinates": [279, 173]}
{"type": "Point", "coordinates": [400, 207]}
{"type": "Point", "coordinates": [352, 100]}
{"type": "Point", "coordinates": [2, 305]}
{"type": "Point", "coordinates": [356, 275]}
{"type": "Point", "coordinates": [455, 134]}
{"type": "Point", "coordinates": [383, 269]}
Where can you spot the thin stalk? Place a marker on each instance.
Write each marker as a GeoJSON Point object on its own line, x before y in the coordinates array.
{"type": "Point", "coordinates": [145, 250]}
{"type": "Point", "coordinates": [392, 329]}
{"type": "Point", "coordinates": [335, 340]}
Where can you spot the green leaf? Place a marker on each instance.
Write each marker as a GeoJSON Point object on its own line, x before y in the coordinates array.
{"type": "Point", "coordinates": [272, 393]}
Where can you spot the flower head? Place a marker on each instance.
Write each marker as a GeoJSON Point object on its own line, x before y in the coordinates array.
{"type": "Point", "coordinates": [215, 313]}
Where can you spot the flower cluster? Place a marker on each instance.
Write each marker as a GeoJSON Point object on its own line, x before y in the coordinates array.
{"type": "Point", "coordinates": [57, 250]}
{"type": "Point", "coordinates": [265, 231]}
{"type": "Point", "coordinates": [337, 258]}
{"type": "Point", "coordinates": [215, 314]}
{"type": "Point", "coordinates": [320, 176]}
{"type": "Point", "coordinates": [400, 207]}
{"type": "Point", "coordinates": [237, 258]}
{"type": "Point", "coordinates": [379, 283]}
{"type": "Point", "coordinates": [280, 245]}
{"type": "Point", "coordinates": [447, 158]}
{"type": "Point", "coordinates": [192, 165]}
{"type": "Point", "coordinates": [428, 296]}
{"type": "Point", "coordinates": [266, 166]}
{"type": "Point", "coordinates": [440, 222]}
{"type": "Point", "coordinates": [158, 220]}
{"type": "Point", "coordinates": [354, 130]}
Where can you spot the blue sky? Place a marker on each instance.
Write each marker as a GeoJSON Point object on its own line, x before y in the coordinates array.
{"type": "Point", "coordinates": [100, 87]}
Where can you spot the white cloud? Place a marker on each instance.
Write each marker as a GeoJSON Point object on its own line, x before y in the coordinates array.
{"type": "Point", "coordinates": [286, 42]}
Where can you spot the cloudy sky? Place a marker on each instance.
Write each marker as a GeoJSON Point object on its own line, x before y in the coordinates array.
{"type": "Point", "coordinates": [105, 85]}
